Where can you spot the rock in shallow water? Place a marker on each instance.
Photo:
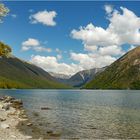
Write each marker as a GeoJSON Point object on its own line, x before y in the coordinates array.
{"type": "Point", "coordinates": [45, 108]}
{"type": "Point", "coordinates": [29, 124]}
{"type": "Point", "coordinates": [2, 119]}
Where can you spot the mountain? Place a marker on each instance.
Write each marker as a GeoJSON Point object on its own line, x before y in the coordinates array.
{"type": "Point", "coordinates": [59, 76]}
{"type": "Point", "coordinates": [15, 73]}
{"type": "Point", "coordinates": [80, 78]}
{"type": "Point", "coordinates": [122, 74]}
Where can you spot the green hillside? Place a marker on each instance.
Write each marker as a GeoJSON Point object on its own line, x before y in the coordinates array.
{"type": "Point", "coordinates": [15, 73]}
{"type": "Point", "coordinates": [122, 74]}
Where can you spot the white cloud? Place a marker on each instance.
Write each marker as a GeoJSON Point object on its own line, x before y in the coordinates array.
{"type": "Point", "coordinates": [95, 36]}
{"type": "Point", "coordinates": [111, 50]}
{"type": "Point", "coordinates": [59, 56]}
{"type": "Point", "coordinates": [132, 47]}
{"type": "Point", "coordinates": [31, 42]}
{"type": "Point", "coordinates": [45, 17]}
{"type": "Point", "coordinates": [102, 46]}
{"type": "Point", "coordinates": [89, 61]}
{"type": "Point", "coordinates": [84, 60]}
{"type": "Point", "coordinates": [108, 9]}
{"type": "Point", "coordinates": [90, 48]}
{"type": "Point", "coordinates": [51, 64]}
{"type": "Point", "coordinates": [42, 49]}
{"type": "Point", "coordinates": [102, 60]}
{"type": "Point", "coordinates": [126, 26]}
{"type": "Point", "coordinates": [121, 30]}
{"type": "Point", "coordinates": [34, 44]}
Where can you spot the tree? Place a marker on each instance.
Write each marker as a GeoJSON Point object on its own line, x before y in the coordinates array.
{"type": "Point", "coordinates": [5, 50]}
{"type": "Point", "coordinates": [3, 11]}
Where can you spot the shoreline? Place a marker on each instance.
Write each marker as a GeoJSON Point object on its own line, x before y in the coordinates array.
{"type": "Point", "coordinates": [15, 124]}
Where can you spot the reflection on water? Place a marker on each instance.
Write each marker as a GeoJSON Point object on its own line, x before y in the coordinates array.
{"type": "Point", "coordinates": [84, 113]}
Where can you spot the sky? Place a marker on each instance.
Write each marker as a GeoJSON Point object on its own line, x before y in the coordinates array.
{"type": "Point", "coordinates": [66, 37]}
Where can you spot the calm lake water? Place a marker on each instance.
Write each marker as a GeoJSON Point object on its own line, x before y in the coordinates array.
{"type": "Point", "coordinates": [84, 113]}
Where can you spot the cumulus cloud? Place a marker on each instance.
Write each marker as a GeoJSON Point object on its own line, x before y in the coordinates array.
{"type": "Point", "coordinates": [89, 61]}
{"type": "Point", "coordinates": [95, 36]}
{"type": "Point", "coordinates": [108, 9]}
{"type": "Point", "coordinates": [124, 27]}
{"type": "Point", "coordinates": [31, 42]}
{"type": "Point", "coordinates": [45, 17]}
{"type": "Point", "coordinates": [42, 49]}
{"type": "Point", "coordinates": [102, 46]}
{"type": "Point", "coordinates": [111, 50]}
{"type": "Point", "coordinates": [51, 64]}
{"type": "Point", "coordinates": [86, 61]}
{"type": "Point", "coordinates": [34, 44]}
{"type": "Point", "coordinates": [90, 48]}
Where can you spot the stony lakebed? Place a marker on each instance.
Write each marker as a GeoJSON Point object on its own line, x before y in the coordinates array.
{"type": "Point", "coordinates": [15, 124]}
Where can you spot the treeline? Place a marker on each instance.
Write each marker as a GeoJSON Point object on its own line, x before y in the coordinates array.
{"type": "Point", "coordinates": [5, 50]}
{"type": "Point", "coordinates": [8, 84]}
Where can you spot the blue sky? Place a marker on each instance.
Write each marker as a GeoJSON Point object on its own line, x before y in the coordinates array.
{"type": "Point", "coordinates": [69, 51]}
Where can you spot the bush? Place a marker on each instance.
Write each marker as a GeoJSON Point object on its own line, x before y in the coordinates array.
{"type": "Point", "coordinates": [5, 50]}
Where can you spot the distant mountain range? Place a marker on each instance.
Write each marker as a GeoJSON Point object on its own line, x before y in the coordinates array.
{"type": "Point", "coordinates": [122, 74]}
{"type": "Point", "coordinates": [59, 76]}
{"type": "Point", "coordinates": [80, 78]}
{"type": "Point", "coordinates": [15, 73]}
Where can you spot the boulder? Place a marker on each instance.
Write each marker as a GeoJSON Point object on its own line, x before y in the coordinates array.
{"type": "Point", "coordinates": [7, 99]}
{"type": "Point", "coordinates": [2, 119]}
{"type": "Point", "coordinates": [6, 106]}
{"type": "Point", "coordinates": [17, 104]}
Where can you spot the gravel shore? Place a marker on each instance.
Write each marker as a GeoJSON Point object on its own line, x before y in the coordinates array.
{"type": "Point", "coordinates": [11, 114]}
{"type": "Point", "coordinates": [14, 123]}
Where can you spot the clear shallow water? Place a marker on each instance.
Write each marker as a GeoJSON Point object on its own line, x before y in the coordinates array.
{"type": "Point", "coordinates": [84, 113]}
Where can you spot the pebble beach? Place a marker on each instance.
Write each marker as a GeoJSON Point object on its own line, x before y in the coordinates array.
{"type": "Point", "coordinates": [14, 123]}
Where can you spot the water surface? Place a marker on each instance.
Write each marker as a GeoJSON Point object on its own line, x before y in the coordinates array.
{"type": "Point", "coordinates": [84, 113]}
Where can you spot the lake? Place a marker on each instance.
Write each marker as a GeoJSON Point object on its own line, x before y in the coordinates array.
{"type": "Point", "coordinates": [84, 114]}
